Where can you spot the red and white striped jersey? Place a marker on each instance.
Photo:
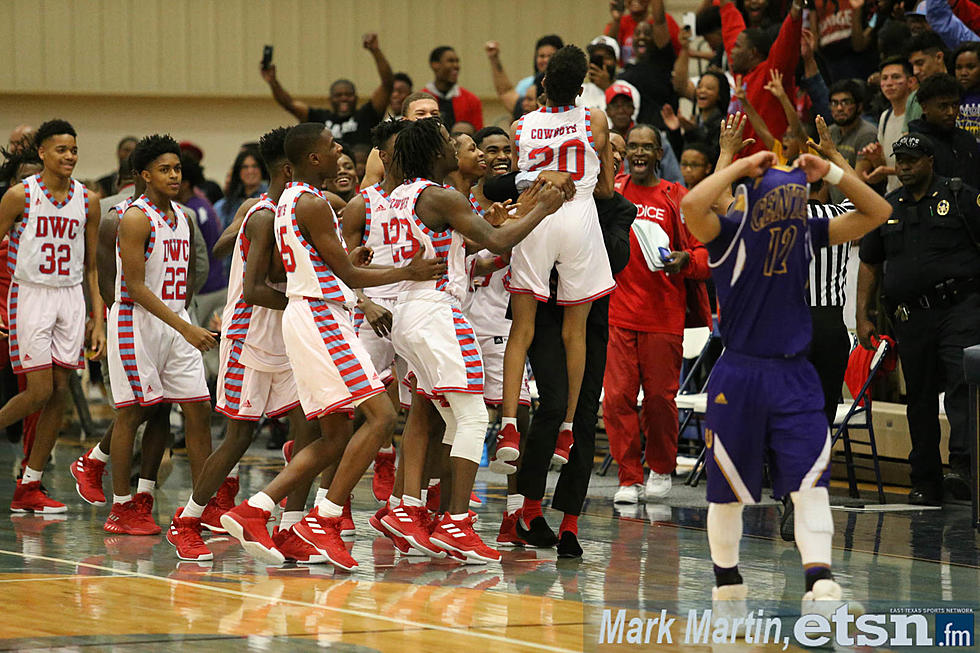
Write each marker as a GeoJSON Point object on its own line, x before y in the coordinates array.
{"type": "Point", "coordinates": [257, 326]}
{"type": "Point", "coordinates": [486, 302]}
{"type": "Point", "coordinates": [413, 234]}
{"type": "Point", "coordinates": [47, 246]}
{"type": "Point", "coordinates": [560, 138]}
{"type": "Point", "coordinates": [167, 256]}
{"type": "Point", "coordinates": [380, 231]}
{"type": "Point", "coordinates": [307, 275]}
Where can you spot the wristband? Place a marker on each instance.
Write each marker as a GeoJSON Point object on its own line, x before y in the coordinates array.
{"type": "Point", "coordinates": [834, 174]}
{"type": "Point", "coordinates": [499, 262]}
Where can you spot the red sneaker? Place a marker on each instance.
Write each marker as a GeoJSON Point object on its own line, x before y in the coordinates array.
{"type": "Point", "coordinates": [211, 517]}
{"type": "Point", "coordinates": [88, 474]}
{"type": "Point", "coordinates": [323, 533]}
{"type": "Point", "coordinates": [296, 548]}
{"type": "Point", "coordinates": [287, 451]}
{"type": "Point", "coordinates": [185, 534]}
{"type": "Point", "coordinates": [563, 447]}
{"type": "Point", "coordinates": [130, 519]}
{"type": "Point", "coordinates": [347, 522]}
{"type": "Point", "coordinates": [410, 522]}
{"type": "Point", "coordinates": [227, 492]}
{"type": "Point", "coordinates": [433, 497]}
{"type": "Point", "coordinates": [400, 543]}
{"type": "Point", "coordinates": [249, 525]}
{"type": "Point", "coordinates": [508, 530]}
{"type": "Point", "coordinates": [29, 497]}
{"type": "Point", "coordinates": [459, 536]}
{"type": "Point", "coordinates": [475, 501]}
{"type": "Point", "coordinates": [508, 449]}
{"type": "Point", "coordinates": [384, 476]}
{"type": "Point", "coordinates": [143, 502]}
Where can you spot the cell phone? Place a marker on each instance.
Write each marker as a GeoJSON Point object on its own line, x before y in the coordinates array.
{"type": "Point", "coordinates": [690, 22]}
{"type": "Point", "coordinates": [664, 253]}
{"type": "Point", "coordinates": [597, 60]}
{"type": "Point", "coordinates": [266, 57]}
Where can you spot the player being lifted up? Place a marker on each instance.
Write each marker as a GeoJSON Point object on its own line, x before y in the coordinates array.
{"type": "Point", "coordinates": [764, 396]}
{"type": "Point", "coordinates": [53, 222]}
{"type": "Point", "coordinates": [155, 350]}
{"type": "Point", "coordinates": [558, 136]}
{"type": "Point", "coordinates": [333, 373]}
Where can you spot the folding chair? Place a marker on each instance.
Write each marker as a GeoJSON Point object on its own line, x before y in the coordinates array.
{"type": "Point", "coordinates": [857, 415]}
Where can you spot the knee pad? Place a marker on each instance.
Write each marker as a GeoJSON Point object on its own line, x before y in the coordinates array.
{"type": "Point", "coordinates": [813, 510]}
{"type": "Point", "coordinates": [471, 419]}
{"type": "Point", "coordinates": [724, 532]}
{"type": "Point", "coordinates": [449, 435]}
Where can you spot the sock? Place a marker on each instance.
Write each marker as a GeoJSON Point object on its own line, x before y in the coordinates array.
{"type": "Point", "coordinates": [121, 498]}
{"type": "Point", "coordinates": [458, 517]}
{"type": "Point", "coordinates": [328, 508]}
{"type": "Point", "coordinates": [387, 450]}
{"type": "Point", "coordinates": [531, 509]}
{"type": "Point", "coordinates": [321, 494]}
{"type": "Point", "coordinates": [262, 501]}
{"type": "Point", "coordinates": [289, 518]}
{"type": "Point", "coordinates": [504, 421]}
{"type": "Point", "coordinates": [145, 485]}
{"type": "Point", "coordinates": [514, 503]}
{"type": "Point", "coordinates": [727, 576]}
{"type": "Point", "coordinates": [425, 497]}
{"type": "Point", "coordinates": [412, 501]}
{"type": "Point", "coordinates": [234, 472]}
{"type": "Point", "coordinates": [31, 475]}
{"type": "Point", "coordinates": [192, 509]}
{"type": "Point", "coordinates": [565, 426]}
{"type": "Point", "coordinates": [815, 573]}
{"type": "Point", "coordinates": [569, 523]}
{"type": "Point", "coordinates": [96, 453]}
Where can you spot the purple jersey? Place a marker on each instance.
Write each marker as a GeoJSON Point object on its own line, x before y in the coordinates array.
{"type": "Point", "coordinates": [760, 264]}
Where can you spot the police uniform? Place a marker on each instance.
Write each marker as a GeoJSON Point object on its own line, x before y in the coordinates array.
{"type": "Point", "coordinates": [931, 285]}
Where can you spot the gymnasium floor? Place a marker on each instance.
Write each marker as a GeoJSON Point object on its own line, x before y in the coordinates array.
{"type": "Point", "coordinates": [67, 585]}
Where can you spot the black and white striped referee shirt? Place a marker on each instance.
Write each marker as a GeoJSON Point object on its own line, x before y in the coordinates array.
{"type": "Point", "coordinates": [828, 269]}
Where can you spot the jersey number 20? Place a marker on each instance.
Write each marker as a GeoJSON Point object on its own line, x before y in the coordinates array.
{"type": "Point", "coordinates": [570, 148]}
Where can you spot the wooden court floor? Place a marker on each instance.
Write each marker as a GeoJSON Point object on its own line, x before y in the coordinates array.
{"type": "Point", "coordinates": [67, 585]}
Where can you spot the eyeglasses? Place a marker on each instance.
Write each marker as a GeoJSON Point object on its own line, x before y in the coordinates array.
{"type": "Point", "coordinates": [692, 164]}
{"type": "Point", "coordinates": [642, 147]}
{"type": "Point", "coordinates": [842, 103]}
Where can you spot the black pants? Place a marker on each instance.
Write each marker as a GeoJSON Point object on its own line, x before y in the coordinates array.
{"type": "Point", "coordinates": [829, 351]}
{"type": "Point", "coordinates": [547, 355]}
{"type": "Point", "coordinates": [930, 346]}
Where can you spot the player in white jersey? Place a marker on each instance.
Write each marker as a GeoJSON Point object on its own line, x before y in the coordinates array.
{"type": "Point", "coordinates": [155, 350]}
{"type": "Point", "coordinates": [571, 139]}
{"type": "Point", "coordinates": [430, 331]}
{"type": "Point", "coordinates": [367, 222]}
{"type": "Point", "coordinates": [333, 372]}
{"type": "Point", "coordinates": [53, 223]}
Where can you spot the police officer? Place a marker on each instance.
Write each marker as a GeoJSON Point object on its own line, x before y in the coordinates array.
{"type": "Point", "coordinates": [929, 260]}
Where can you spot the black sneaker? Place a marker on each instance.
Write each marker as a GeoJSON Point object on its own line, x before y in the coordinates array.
{"type": "Point", "coordinates": [786, 522]}
{"type": "Point", "coordinates": [925, 496]}
{"type": "Point", "coordinates": [957, 486]}
{"type": "Point", "coordinates": [568, 546]}
{"type": "Point", "coordinates": [537, 534]}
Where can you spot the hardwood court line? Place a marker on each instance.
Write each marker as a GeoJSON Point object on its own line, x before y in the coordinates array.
{"type": "Point", "coordinates": [46, 578]}
{"type": "Point", "coordinates": [305, 604]}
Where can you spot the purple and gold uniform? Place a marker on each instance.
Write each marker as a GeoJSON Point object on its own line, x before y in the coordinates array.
{"type": "Point", "coordinates": [765, 401]}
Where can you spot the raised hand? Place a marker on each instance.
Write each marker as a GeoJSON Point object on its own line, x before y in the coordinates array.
{"type": "Point", "coordinates": [492, 48]}
{"type": "Point", "coordinates": [739, 89]}
{"type": "Point", "coordinates": [826, 145]}
{"type": "Point", "coordinates": [370, 42]}
{"type": "Point", "coordinates": [268, 74]}
{"type": "Point", "coordinates": [730, 138]}
{"type": "Point", "coordinates": [775, 84]}
{"type": "Point", "coordinates": [614, 11]}
{"type": "Point", "coordinates": [671, 120]}
{"type": "Point", "coordinates": [758, 163]}
{"type": "Point", "coordinates": [814, 167]}
{"type": "Point", "coordinates": [874, 153]}
{"type": "Point", "coordinates": [807, 45]}
{"type": "Point", "coordinates": [426, 269]}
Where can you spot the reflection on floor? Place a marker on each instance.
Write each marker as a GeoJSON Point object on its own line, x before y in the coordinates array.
{"type": "Point", "coordinates": [75, 585]}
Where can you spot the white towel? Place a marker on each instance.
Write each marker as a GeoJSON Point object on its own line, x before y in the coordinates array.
{"type": "Point", "coordinates": [651, 237]}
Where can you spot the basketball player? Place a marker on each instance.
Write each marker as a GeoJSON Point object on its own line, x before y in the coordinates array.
{"type": "Point", "coordinates": [255, 378]}
{"type": "Point", "coordinates": [559, 136]}
{"type": "Point", "coordinates": [53, 222]}
{"type": "Point", "coordinates": [333, 373]}
{"type": "Point", "coordinates": [431, 333]}
{"type": "Point", "coordinates": [764, 397]}
{"type": "Point", "coordinates": [415, 107]}
{"type": "Point", "coordinates": [155, 350]}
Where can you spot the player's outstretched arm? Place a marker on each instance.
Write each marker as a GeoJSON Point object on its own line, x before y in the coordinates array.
{"type": "Point", "coordinates": [451, 207]}
{"type": "Point", "coordinates": [134, 229]}
{"type": "Point", "coordinates": [316, 220]}
{"type": "Point", "coordinates": [871, 210]}
{"type": "Point", "coordinates": [257, 292]}
{"type": "Point", "coordinates": [702, 222]}
{"type": "Point", "coordinates": [226, 241]}
{"type": "Point", "coordinates": [97, 340]}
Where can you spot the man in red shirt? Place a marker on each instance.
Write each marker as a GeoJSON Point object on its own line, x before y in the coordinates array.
{"type": "Point", "coordinates": [752, 56]}
{"type": "Point", "coordinates": [456, 104]}
{"type": "Point", "coordinates": [646, 324]}
{"type": "Point", "coordinates": [624, 23]}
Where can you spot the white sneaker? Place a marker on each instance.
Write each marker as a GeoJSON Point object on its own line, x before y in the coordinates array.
{"type": "Point", "coordinates": [825, 599]}
{"type": "Point", "coordinates": [628, 494]}
{"type": "Point", "coordinates": [658, 485]}
{"type": "Point", "coordinates": [728, 602]}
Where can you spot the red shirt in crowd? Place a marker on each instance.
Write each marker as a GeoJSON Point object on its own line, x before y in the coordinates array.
{"type": "Point", "coordinates": [783, 56]}
{"type": "Point", "coordinates": [655, 302]}
{"type": "Point", "coordinates": [466, 106]}
{"type": "Point", "coordinates": [627, 25]}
